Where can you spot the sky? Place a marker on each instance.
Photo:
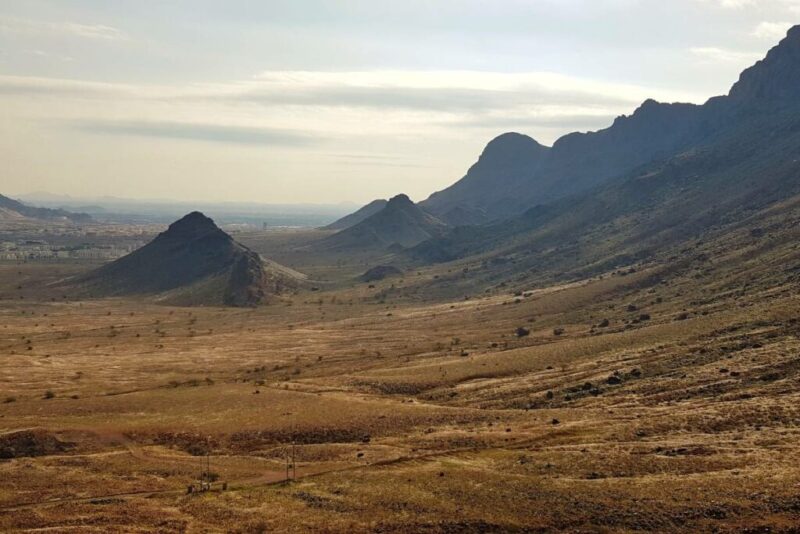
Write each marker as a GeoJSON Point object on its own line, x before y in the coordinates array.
{"type": "Point", "coordinates": [327, 101]}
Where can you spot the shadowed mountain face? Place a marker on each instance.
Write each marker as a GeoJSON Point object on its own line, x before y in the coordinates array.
{"type": "Point", "coordinates": [192, 262]}
{"type": "Point", "coordinates": [506, 165]}
{"type": "Point", "coordinates": [745, 171]}
{"type": "Point", "coordinates": [400, 222]}
{"type": "Point", "coordinates": [13, 209]}
{"type": "Point", "coordinates": [359, 215]}
{"type": "Point", "coordinates": [515, 172]}
{"type": "Point", "coordinates": [775, 80]}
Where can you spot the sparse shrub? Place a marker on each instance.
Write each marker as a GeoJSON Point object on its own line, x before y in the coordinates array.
{"type": "Point", "coordinates": [558, 331]}
{"type": "Point", "coordinates": [49, 394]}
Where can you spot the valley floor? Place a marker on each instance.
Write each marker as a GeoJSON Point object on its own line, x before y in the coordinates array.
{"type": "Point", "coordinates": [631, 405]}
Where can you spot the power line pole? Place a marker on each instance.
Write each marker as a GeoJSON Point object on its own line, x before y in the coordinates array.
{"type": "Point", "coordinates": [294, 463]}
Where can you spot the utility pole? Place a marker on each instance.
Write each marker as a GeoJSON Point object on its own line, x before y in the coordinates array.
{"type": "Point", "coordinates": [294, 463]}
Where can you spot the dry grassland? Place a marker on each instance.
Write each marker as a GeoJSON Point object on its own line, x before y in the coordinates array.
{"type": "Point", "coordinates": [406, 413]}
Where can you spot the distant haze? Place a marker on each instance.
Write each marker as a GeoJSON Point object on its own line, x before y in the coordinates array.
{"type": "Point", "coordinates": [321, 101]}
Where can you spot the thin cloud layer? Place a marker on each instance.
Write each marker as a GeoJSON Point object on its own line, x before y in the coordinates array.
{"type": "Point", "coordinates": [212, 133]}
{"type": "Point", "coordinates": [327, 100]}
{"type": "Point", "coordinates": [17, 25]}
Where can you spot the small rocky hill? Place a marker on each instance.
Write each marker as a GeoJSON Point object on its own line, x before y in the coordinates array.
{"type": "Point", "coordinates": [400, 222]}
{"type": "Point", "coordinates": [193, 262]}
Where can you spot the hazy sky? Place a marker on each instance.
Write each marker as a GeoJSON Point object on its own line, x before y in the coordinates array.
{"type": "Point", "coordinates": [324, 101]}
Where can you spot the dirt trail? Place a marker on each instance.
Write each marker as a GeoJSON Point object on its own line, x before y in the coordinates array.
{"type": "Point", "coordinates": [272, 478]}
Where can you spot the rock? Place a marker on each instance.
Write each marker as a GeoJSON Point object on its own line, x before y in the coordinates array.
{"type": "Point", "coordinates": [379, 272]}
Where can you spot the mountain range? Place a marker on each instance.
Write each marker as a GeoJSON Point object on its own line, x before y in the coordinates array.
{"type": "Point", "coordinates": [515, 172]}
{"type": "Point", "coordinates": [11, 209]}
{"type": "Point", "coordinates": [664, 175]}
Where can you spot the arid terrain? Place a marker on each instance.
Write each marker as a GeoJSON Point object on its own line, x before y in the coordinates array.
{"type": "Point", "coordinates": [601, 335]}
{"type": "Point", "coordinates": [654, 398]}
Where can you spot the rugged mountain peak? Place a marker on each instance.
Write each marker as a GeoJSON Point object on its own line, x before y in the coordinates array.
{"type": "Point", "coordinates": [507, 162]}
{"type": "Point", "coordinates": [359, 215]}
{"type": "Point", "coordinates": [654, 114]}
{"type": "Point", "coordinates": [510, 146]}
{"type": "Point", "coordinates": [399, 201]}
{"type": "Point", "coordinates": [776, 78]}
{"type": "Point", "coordinates": [190, 226]}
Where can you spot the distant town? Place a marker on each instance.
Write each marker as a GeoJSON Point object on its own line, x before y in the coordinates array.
{"type": "Point", "coordinates": [32, 249]}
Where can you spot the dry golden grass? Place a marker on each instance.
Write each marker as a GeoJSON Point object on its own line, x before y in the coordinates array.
{"type": "Point", "coordinates": [407, 413]}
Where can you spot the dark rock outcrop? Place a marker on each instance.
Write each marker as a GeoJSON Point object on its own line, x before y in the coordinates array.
{"type": "Point", "coordinates": [379, 272]}
{"type": "Point", "coordinates": [31, 442]}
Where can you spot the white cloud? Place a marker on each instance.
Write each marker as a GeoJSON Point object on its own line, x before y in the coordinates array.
{"type": "Point", "coordinates": [72, 29]}
{"type": "Point", "coordinates": [711, 53]}
{"type": "Point", "coordinates": [339, 104]}
{"type": "Point", "coordinates": [730, 4]}
{"type": "Point", "coordinates": [459, 89]}
{"type": "Point", "coordinates": [792, 5]}
{"type": "Point", "coordinates": [771, 31]}
{"type": "Point", "coordinates": [736, 4]}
